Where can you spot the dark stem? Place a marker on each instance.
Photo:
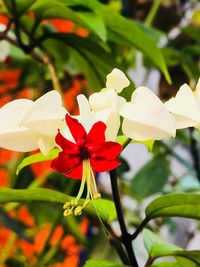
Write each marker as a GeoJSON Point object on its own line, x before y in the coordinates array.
{"type": "Point", "coordinates": [194, 153]}
{"type": "Point", "coordinates": [140, 228]}
{"type": "Point", "coordinates": [149, 262]}
{"type": "Point", "coordinates": [118, 246]}
{"type": "Point", "coordinates": [125, 235]}
{"type": "Point", "coordinates": [17, 27]}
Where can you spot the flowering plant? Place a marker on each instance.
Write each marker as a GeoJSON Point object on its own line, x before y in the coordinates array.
{"type": "Point", "coordinates": [76, 190]}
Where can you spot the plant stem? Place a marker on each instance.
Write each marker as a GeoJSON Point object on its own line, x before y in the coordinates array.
{"type": "Point", "coordinates": [194, 153]}
{"type": "Point", "coordinates": [149, 262]}
{"type": "Point", "coordinates": [17, 26]}
{"type": "Point", "coordinates": [139, 228]}
{"type": "Point", "coordinates": [152, 13]}
{"type": "Point", "coordinates": [118, 246]}
{"type": "Point", "coordinates": [54, 77]}
{"type": "Point", "coordinates": [125, 235]}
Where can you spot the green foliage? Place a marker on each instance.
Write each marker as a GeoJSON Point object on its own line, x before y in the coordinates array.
{"type": "Point", "coordinates": [158, 248]}
{"type": "Point", "coordinates": [39, 157]}
{"type": "Point", "coordinates": [22, 6]}
{"type": "Point", "coordinates": [168, 264]}
{"type": "Point", "coordinates": [151, 178]}
{"type": "Point", "coordinates": [96, 24]}
{"type": "Point", "coordinates": [100, 263]}
{"type": "Point", "coordinates": [151, 240]}
{"type": "Point", "coordinates": [126, 31]}
{"type": "Point", "coordinates": [112, 42]}
{"type": "Point", "coordinates": [105, 208]}
{"type": "Point", "coordinates": [175, 205]}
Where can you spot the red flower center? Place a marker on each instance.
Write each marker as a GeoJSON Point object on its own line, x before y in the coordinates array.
{"type": "Point", "coordinates": [84, 153]}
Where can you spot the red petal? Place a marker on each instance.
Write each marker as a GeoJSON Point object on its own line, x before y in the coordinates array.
{"type": "Point", "coordinates": [102, 165]}
{"type": "Point", "coordinates": [76, 173]}
{"type": "Point", "coordinates": [68, 146]}
{"type": "Point", "coordinates": [96, 136]}
{"type": "Point", "coordinates": [107, 151]}
{"type": "Point", "coordinates": [65, 163]}
{"type": "Point", "coordinates": [76, 129]}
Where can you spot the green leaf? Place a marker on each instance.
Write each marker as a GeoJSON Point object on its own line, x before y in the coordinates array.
{"type": "Point", "coordinates": [193, 255]}
{"type": "Point", "coordinates": [96, 23]}
{"type": "Point", "coordinates": [85, 44]}
{"type": "Point", "coordinates": [105, 208]}
{"type": "Point", "coordinates": [168, 264]}
{"type": "Point", "coordinates": [172, 56]}
{"type": "Point", "coordinates": [59, 9]}
{"type": "Point", "coordinates": [150, 239]}
{"type": "Point", "coordinates": [55, 9]}
{"type": "Point", "coordinates": [127, 31]}
{"type": "Point", "coordinates": [22, 6]}
{"type": "Point", "coordinates": [163, 249]}
{"type": "Point", "coordinates": [151, 178]}
{"type": "Point", "coordinates": [85, 52]}
{"type": "Point", "coordinates": [157, 248]}
{"type": "Point", "coordinates": [175, 205]}
{"type": "Point", "coordinates": [185, 262]}
{"type": "Point", "coordinates": [149, 143]}
{"type": "Point", "coordinates": [89, 69]}
{"type": "Point", "coordinates": [37, 158]}
{"type": "Point", "coordinates": [122, 139]}
{"type": "Point", "coordinates": [100, 263]}
{"type": "Point", "coordinates": [192, 32]}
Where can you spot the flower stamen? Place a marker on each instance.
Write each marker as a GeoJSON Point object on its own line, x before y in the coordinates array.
{"type": "Point", "coordinates": [88, 179]}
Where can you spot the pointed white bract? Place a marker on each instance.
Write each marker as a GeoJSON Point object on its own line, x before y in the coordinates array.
{"type": "Point", "coordinates": [117, 80]}
{"type": "Point", "coordinates": [106, 105]}
{"type": "Point", "coordinates": [88, 116]}
{"type": "Point", "coordinates": [12, 135]}
{"type": "Point", "coordinates": [146, 118]}
{"type": "Point", "coordinates": [46, 115]}
{"type": "Point", "coordinates": [185, 106]}
{"type": "Point", "coordinates": [28, 125]}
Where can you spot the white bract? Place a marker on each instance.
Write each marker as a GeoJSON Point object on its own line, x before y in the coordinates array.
{"type": "Point", "coordinates": [88, 118]}
{"type": "Point", "coordinates": [185, 106]}
{"type": "Point", "coordinates": [117, 80]}
{"type": "Point", "coordinates": [107, 104]}
{"type": "Point", "coordinates": [28, 125]}
{"type": "Point", "coordinates": [146, 118]}
{"type": "Point", "coordinates": [4, 45]}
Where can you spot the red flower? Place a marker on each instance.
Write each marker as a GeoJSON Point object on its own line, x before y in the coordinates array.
{"type": "Point", "coordinates": [78, 160]}
{"type": "Point", "coordinates": [92, 146]}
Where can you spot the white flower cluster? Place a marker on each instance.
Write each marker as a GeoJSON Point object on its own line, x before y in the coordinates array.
{"type": "Point", "coordinates": [28, 125]}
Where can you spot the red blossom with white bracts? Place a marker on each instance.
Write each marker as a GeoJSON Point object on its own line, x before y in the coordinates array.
{"type": "Point", "coordinates": [101, 154]}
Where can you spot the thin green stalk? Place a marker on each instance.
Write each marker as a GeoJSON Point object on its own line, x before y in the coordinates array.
{"type": "Point", "coordinates": [152, 13]}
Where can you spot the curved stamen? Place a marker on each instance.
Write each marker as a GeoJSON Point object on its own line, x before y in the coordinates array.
{"type": "Point", "coordinates": [73, 206]}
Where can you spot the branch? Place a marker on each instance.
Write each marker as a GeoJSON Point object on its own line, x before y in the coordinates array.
{"type": "Point", "coordinates": [54, 77]}
{"type": "Point", "coordinates": [195, 154]}
{"type": "Point", "coordinates": [17, 27]}
{"type": "Point", "coordinates": [140, 228]}
{"type": "Point", "coordinates": [125, 235]}
{"type": "Point", "coordinates": [44, 60]}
